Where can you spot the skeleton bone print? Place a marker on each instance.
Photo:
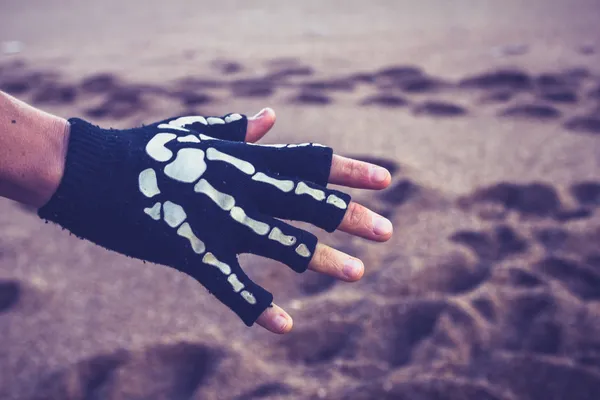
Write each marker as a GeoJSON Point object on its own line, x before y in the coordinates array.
{"type": "Point", "coordinates": [189, 163]}
{"type": "Point", "coordinates": [190, 193]}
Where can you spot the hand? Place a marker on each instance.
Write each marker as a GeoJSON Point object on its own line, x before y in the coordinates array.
{"type": "Point", "coordinates": [189, 193]}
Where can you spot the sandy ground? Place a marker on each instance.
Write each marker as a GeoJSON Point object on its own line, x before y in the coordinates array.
{"type": "Point", "coordinates": [487, 112]}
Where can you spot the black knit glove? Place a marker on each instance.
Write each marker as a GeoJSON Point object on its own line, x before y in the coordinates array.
{"type": "Point", "coordinates": [190, 194]}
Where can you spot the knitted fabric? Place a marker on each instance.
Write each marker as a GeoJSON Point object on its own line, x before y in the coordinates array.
{"type": "Point", "coordinates": [190, 194]}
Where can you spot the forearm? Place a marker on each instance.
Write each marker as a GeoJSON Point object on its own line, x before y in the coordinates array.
{"type": "Point", "coordinates": [33, 145]}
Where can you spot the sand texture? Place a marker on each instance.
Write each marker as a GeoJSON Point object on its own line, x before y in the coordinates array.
{"type": "Point", "coordinates": [487, 114]}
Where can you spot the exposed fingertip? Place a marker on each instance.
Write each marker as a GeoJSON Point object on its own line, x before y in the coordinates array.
{"type": "Point", "coordinates": [353, 269]}
{"type": "Point", "coordinates": [260, 114]}
{"type": "Point", "coordinates": [382, 227]}
{"type": "Point", "coordinates": [379, 176]}
{"type": "Point", "coordinates": [279, 323]}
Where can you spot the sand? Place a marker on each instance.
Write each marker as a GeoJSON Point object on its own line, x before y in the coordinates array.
{"type": "Point", "coordinates": [488, 114]}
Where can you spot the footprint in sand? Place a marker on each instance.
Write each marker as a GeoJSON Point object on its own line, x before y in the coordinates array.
{"type": "Point", "coordinates": [587, 193]}
{"type": "Point", "coordinates": [594, 94]}
{"type": "Point", "coordinates": [534, 199]}
{"type": "Point", "coordinates": [439, 109]}
{"type": "Point", "coordinates": [268, 390]}
{"type": "Point", "coordinates": [528, 322]}
{"type": "Point", "coordinates": [496, 245]}
{"type": "Point", "coordinates": [55, 93]}
{"type": "Point", "coordinates": [342, 84]}
{"type": "Point", "coordinates": [259, 87]}
{"type": "Point", "coordinates": [422, 84]}
{"type": "Point", "coordinates": [566, 80]}
{"type": "Point", "coordinates": [191, 83]}
{"type": "Point", "coordinates": [314, 283]}
{"type": "Point", "coordinates": [393, 76]}
{"type": "Point", "coordinates": [551, 238]}
{"type": "Point", "coordinates": [409, 79]}
{"type": "Point", "coordinates": [318, 343]}
{"type": "Point", "coordinates": [16, 79]}
{"type": "Point", "coordinates": [311, 98]}
{"type": "Point", "coordinates": [515, 80]}
{"type": "Point", "coordinates": [571, 215]}
{"type": "Point", "coordinates": [584, 124]}
{"type": "Point", "coordinates": [580, 279]}
{"type": "Point", "coordinates": [520, 277]}
{"type": "Point", "coordinates": [521, 373]}
{"type": "Point", "coordinates": [283, 72]}
{"type": "Point", "coordinates": [454, 274]}
{"type": "Point", "coordinates": [397, 387]}
{"type": "Point", "coordinates": [385, 100]}
{"type": "Point", "coordinates": [531, 111]}
{"type": "Point", "coordinates": [192, 98]}
{"type": "Point", "coordinates": [99, 83]}
{"type": "Point", "coordinates": [10, 292]}
{"type": "Point", "coordinates": [498, 96]}
{"type": "Point", "coordinates": [400, 192]}
{"type": "Point", "coordinates": [559, 96]}
{"type": "Point", "coordinates": [121, 102]}
{"type": "Point", "coordinates": [173, 371]}
{"type": "Point", "coordinates": [227, 67]}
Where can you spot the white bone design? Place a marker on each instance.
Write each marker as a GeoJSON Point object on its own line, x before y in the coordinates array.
{"type": "Point", "coordinates": [167, 126]}
{"type": "Point", "coordinates": [188, 139]}
{"type": "Point", "coordinates": [283, 185]}
{"type": "Point", "coordinates": [148, 184]}
{"type": "Point", "coordinates": [156, 147]}
{"type": "Point", "coordinates": [187, 167]}
{"type": "Point", "coordinates": [210, 259]}
{"type": "Point", "coordinates": [249, 297]}
{"type": "Point", "coordinates": [232, 118]}
{"type": "Point", "coordinates": [279, 146]}
{"type": "Point", "coordinates": [183, 121]}
{"type": "Point", "coordinates": [215, 121]}
{"type": "Point", "coordinates": [185, 230]}
{"type": "Point", "coordinates": [303, 250]}
{"type": "Point", "coordinates": [316, 194]}
{"type": "Point", "coordinates": [336, 201]}
{"type": "Point", "coordinates": [225, 201]}
{"type": "Point", "coordinates": [235, 282]}
{"type": "Point", "coordinates": [240, 216]}
{"type": "Point", "coordinates": [282, 238]}
{"type": "Point", "coordinates": [153, 212]}
{"type": "Point", "coordinates": [216, 155]}
{"type": "Point", "coordinates": [174, 214]}
{"type": "Point", "coordinates": [289, 145]}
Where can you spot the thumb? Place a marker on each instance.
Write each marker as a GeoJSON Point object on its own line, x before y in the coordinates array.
{"type": "Point", "coordinates": [260, 124]}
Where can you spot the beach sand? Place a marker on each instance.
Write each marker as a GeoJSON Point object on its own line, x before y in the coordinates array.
{"type": "Point", "coordinates": [488, 115]}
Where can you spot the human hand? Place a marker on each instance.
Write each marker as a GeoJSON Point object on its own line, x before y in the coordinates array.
{"type": "Point", "coordinates": [189, 193]}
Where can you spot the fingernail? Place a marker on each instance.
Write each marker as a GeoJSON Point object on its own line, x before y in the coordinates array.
{"type": "Point", "coordinates": [382, 226]}
{"type": "Point", "coordinates": [378, 174]}
{"type": "Point", "coordinates": [280, 323]}
{"type": "Point", "coordinates": [260, 114]}
{"type": "Point", "coordinates": [352, 268]}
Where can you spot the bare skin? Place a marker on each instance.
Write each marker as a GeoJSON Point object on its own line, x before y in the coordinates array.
{"type": "Point", "coordinates": [33, 146]}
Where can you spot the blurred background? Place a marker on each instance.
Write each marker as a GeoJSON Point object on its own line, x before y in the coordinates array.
{"type": "Point", "coordinates": [487, 113]}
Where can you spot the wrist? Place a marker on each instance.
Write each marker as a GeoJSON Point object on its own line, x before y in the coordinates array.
{"type": "Point", "coordinates": [50, 169]}
{"type": "Point", "coordinates": [33, 147]}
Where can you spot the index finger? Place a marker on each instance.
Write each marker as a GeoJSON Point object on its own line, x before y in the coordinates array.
{"type": "Point", "coordinates": [358, 174]}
